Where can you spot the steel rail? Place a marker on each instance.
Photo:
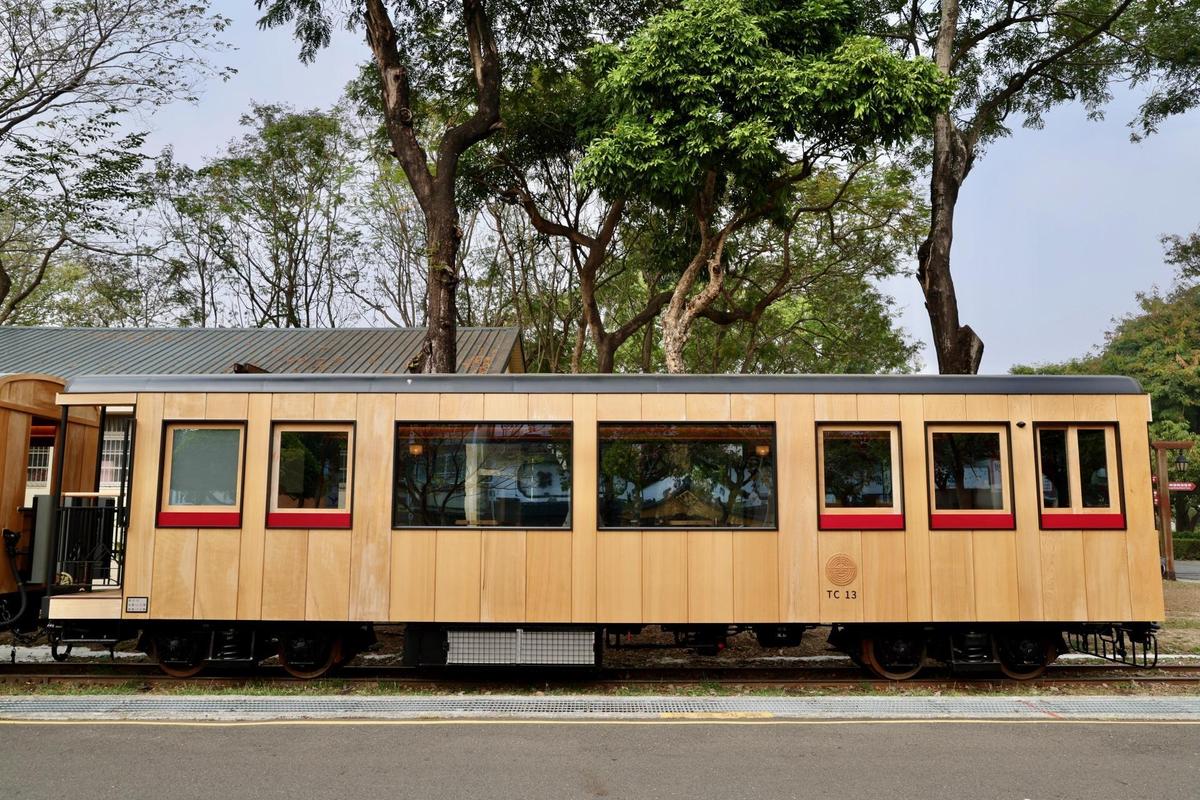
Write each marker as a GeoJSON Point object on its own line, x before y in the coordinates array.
{"type": "Point", "coordinates": [525, 678]}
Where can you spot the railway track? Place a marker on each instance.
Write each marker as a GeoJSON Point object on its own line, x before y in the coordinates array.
{"type": "Point", "coordinates": [367, 676]}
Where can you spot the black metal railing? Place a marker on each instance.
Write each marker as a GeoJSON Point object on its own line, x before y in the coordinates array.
{"type": "Point", "coordinates": [91, 542]}
{"type": "Point", "coordinates": [1136, 648]}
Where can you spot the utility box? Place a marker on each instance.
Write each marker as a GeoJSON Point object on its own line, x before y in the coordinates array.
{"type": "Point", "coordinates": [43, 519]}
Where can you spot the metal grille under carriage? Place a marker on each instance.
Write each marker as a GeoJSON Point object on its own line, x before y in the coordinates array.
{"type": "Point", "coordinates": [563, 648]}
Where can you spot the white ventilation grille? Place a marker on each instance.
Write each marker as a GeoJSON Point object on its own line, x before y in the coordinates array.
{"type": "Point", "coordinates": [566, 648]}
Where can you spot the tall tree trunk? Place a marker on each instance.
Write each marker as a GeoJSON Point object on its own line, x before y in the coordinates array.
{"type": "Point", "coordinates": [647, 347]}
{"type": "Point", "coordinates": [681, 312]}
{"type": "Point", "coordinates": [434, 188]}
{"type": "Point", "coordinates": [959, 349]}
{"type": "Point", "coordinates": [440, 351]}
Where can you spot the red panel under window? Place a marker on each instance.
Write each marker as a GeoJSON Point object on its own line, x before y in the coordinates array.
{"type": "Point", "coordinates": [199, 519]}
{"type": "Point", "coordinates": [971, 522]}
{"type": "Point", "coordinates": [1094, 522]}
{"type": "Point", "coordinates": [862, 522]}
{"type": "Point", "coordinates": [303, 519]}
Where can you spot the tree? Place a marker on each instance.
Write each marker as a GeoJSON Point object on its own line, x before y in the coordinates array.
{"type": "Point", "coordinates": [57, 194]}
{"type": "Point", "coordinates": [280, 192]}
{"type": "Point", "coordinates": [723, 106]}
{"type": "Point", "coordinates": [1016, 61]}
{"type": "Point", "coordinates": [803, 297]}
{"type": "Point", "coordinates": [549, 124]}
{"type": "Point", "coordinates": [390, 279]}
{"type": "Point", "coordinates": [438, 68]}
{"type": "Point", "coordinates": [68, 72]}
{"type": "Point", "coordinates": [1159, 346]}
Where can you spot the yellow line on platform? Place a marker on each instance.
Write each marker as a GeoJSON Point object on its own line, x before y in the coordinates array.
{"type": "Point", "coordinates": [663, 720]}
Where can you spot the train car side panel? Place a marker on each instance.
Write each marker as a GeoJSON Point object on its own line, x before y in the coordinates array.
{"type": "Point", "coordinates": [1145, 588]}
{"type": "Point", "coordinates": [143, 500]}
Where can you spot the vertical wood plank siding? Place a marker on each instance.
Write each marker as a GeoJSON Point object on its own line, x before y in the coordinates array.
{"type": "Point", "coordinates": [586, 575]}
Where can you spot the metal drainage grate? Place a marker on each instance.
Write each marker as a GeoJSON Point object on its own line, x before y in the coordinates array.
{"type": "Point", "coordinates": [515, 707]}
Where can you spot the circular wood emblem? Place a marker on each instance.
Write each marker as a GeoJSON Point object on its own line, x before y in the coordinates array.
{"type": "Point", "coordinates": [841, 570]}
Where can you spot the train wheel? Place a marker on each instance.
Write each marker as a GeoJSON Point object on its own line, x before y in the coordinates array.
{"type": "Point", "coordinates": [894, 658]}
{"type": "Point", "coordinates": [308, 656]}
{"type": "Point", "coordinates": [58, 651]}
{"type": "Point", "coordinates": [1023, 658]}
{"type": "Point", "coordinates": [180, 654]}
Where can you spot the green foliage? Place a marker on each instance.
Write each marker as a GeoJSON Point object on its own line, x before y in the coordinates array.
{"type": "Point", "coordinates": [1017, 61]}
{"type": "Point", "coordinates": [731, 86]}
{"type": "Point", "coordinates": [531, 38]}
{"type": "Point", "coordinates": [275, 207]}
{"type": "Point", "coordinates": [1186, 548]}
{"type": "Point", "coordinates": [1184, 252]}
{"type": "Point", "coordinates": [1160, 347]}
{"type": "Point", "coordinates": [71, 170]}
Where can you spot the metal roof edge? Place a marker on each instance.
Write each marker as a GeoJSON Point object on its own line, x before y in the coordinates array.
{"type": "Point", "coordinates": [536, 383]}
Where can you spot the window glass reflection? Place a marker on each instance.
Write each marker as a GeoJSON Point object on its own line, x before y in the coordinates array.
{"type": "Point", "coordinates": [967, 471]}
{"type": "Point", "coordinates": [204, 466]}
{"type": "Point", "coordinates": [488, 474]}
{"type": "Point", "coordinates": [312, 469]}
{"type": "Point", "coordinates": [858, 469]}
{"type": "Point", "coordinates": [687, 475]}
{"type": "Point", "coordinates": [1093, 468]}
{"type": "Point", "coordinates": [1052, 446]}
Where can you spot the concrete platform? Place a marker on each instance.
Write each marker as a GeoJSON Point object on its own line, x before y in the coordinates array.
{"type": "Point", "coordinates": [617, 759]}
{"type": "Point", "coordinates": [234, 708]}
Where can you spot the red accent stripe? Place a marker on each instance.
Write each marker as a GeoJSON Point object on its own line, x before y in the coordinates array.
{"type": "Point", "coordinates": [862, 522]}
{"type": "Point", "coordinates": [307, 519]}
{"type": "Point", "coordinates": [1095, 522]}
{"type": "Point", "coordinates": [971, 522]}
{"type": "Point", "coordinates": [199, 519]}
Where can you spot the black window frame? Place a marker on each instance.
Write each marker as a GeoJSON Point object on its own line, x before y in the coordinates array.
{"type": "Point", "coordinates": [774, 527]}
{"type": "Point", "coordinates": [1079, 515]}
{"type": "Point", "coordinates": [567, 526]}
{"type": "Point", "coordinates": [318, 519]}
{"type": "Point", "coordinates": [899, 507]}
{"type": "Point", "coordinates": [933, 513]}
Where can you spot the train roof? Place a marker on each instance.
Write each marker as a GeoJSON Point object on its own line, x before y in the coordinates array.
{"type": "Point", "coordinates": [611, 384]}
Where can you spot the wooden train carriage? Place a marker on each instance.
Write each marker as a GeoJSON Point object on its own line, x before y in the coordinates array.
{"type": "Point", "coordinates": [904, 510]}
{"type": "Point", "coordinates": [28, 415]}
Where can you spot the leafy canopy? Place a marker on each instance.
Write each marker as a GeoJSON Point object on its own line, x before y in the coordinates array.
{"type": "Point", "coordinates": [736, 86]}
{"type": "Point", "coordinates": [1160, 347]}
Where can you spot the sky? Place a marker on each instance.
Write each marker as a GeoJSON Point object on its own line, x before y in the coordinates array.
{"type": "Point", "coordinates": [1056, 232]}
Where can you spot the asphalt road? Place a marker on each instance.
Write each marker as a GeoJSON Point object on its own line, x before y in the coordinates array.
{"type": "Point", "coordinates": [561, 761]}
{"type": "Point", "coordinates": [1187, 570]}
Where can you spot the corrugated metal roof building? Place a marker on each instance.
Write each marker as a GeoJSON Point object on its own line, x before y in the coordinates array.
{"type": "Point", "coordinates": [67, 352]}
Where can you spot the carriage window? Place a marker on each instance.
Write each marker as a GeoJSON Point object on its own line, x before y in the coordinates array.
{"type": "Point", "coordinates": [687, 475]}
{"type": "Point", "coordinates": [311, 474]}
{"type": "Point", "coordinates": [859, 472]}
{"type": "Point", "coordinates": [968, 477]}
{"type": "Point", "coordinates": [1056, 485]}
{"type": "Point", "coordinates": [506, 474]}
{"type": "Point", "coordinates": [1078, 467]}
{"type": "Point", "coordinates": [202, 475]}
{"type": "Point", "coordinates": [1093, 468]}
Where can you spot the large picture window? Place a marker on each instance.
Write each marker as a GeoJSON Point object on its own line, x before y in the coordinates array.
{"type": "Point", "coordinates": [1078, 476]}
{"type": "Point", "coordinates": [969, 480]}
{"type": "Point", "coordinates": [697, 475]}
{"type": "Point", "coordinates": [311, 474]}
{"type": "Point", "coordinates": [859, 471]}
{"type": "Point", "coordinates": [494, 474]}
{"type": "Point", "coordinates": [202, 475]}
